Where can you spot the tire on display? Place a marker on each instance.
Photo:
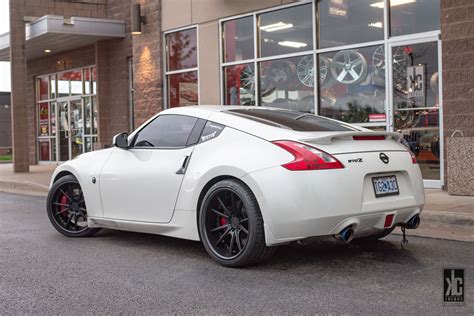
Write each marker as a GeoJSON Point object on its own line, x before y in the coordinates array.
{"type": "Point", "coordinates": [231, 225]}
{"type": "Point", "coordinates": [66, 208]}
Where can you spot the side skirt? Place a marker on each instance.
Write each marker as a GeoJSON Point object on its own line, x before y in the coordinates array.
{"type": "Point", "coordinates": [182, 225]}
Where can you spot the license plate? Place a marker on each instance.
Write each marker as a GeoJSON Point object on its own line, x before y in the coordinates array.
{"type": "Point", "coordinates": [384, 186]}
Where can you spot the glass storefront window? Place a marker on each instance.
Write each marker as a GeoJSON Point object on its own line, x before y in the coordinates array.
{"type": "Point", "coordinates": [344, 22]}
{"type": "Point", "coordinates": [240, 84]}
{"type": "Point", "coordinates": [94, 80]}
{"type": "Point", "coordinates": [87, 81]}
{"type": "Point", "coordinates": [181, 75]}
{"type": "Point", "coordinates": [349, 88]}
{"type": "Point", "coordinates": [238, 39]}
{"type": "Point", "coordinates": [288, 83]}
{"type": "Point", "coordinates": [416, 105]}
{"type": "Point", "coordinates": [181, 50]}
{"type": "Point", "coordinates": [286, 31]}
{"type": "Point", "coordinates": [66, 122]}
{"type": "Point", "coordinates": [43, 88]}
{"type": "Point", "coordinates": [70, 83]}
{"type": "Point", "coordinates": [53, 86]}
{"type": "Point", "coordinates": [90, 116]}
{"type": "Point", "coordinates": [44, 119]}
{"type": "Point", "coordinates": [44, 150]}
{"type": "Point", "coordinates": [413, 16]}
{"type": "Point", "coordinates": [183, 89]}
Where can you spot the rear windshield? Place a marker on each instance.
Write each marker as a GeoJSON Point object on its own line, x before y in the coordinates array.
{"type": "Point", "coordinates": [296, 121]}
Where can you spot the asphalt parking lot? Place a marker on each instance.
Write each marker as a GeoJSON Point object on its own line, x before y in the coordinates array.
{"type": "Point", "coordinates": [43, 272]}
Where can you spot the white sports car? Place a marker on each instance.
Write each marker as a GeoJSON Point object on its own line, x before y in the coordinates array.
{"type": "Point", "coordinates": [241, 180]}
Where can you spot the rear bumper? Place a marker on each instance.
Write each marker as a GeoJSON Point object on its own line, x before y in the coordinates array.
{"type": "Point", "coordinates": [298, 205]}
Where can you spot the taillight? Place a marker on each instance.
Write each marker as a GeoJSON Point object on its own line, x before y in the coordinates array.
{"type": "Point", "coordinates": [369, 137]}
{"type": "Point", "coordinates": [413, 157]}
{"type": "Point", "coordinates": [307, 157]}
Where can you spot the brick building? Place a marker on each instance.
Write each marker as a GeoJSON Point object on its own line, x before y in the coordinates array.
{"type": "Point", "coordinates": [401, 65]}
{"type": "Point", "coordinates": [5, 123]}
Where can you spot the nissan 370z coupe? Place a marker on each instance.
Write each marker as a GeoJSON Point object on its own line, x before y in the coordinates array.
{"type": "Point", "coordinates": [242, 180]}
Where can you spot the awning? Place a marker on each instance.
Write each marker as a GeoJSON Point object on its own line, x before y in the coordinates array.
{"type": "Point", "coordinates": [58, 34]}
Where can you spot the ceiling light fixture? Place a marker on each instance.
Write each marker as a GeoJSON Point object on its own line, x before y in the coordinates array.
{"type": "Point", "coordinates": [393, 3]}
{"type": "Point", "coordinates": [276, 26]}
{"type": "Point", "coordinates": [292, 44]}
{"type": "Point", "coordinates": [47, 50]}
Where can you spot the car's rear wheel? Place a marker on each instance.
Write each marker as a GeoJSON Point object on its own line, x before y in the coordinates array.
{"type": "Point", "coordinates": [231, 225]}
{"type": "Point", "coordinates": [66, 208]}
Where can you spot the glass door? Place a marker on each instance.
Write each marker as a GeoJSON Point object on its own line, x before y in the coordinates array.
{"type": "Point", "coordinates": [64, 131]}
{"type": "Point", "coordinates": [76, 128]}
{"type": "Point", "coordinates": [70, 129]}
{"type": "Point", "coordinates": [415, 103]}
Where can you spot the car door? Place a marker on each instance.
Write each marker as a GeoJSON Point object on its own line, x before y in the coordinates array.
{"type": "Point", "coordinates": [142, 183]}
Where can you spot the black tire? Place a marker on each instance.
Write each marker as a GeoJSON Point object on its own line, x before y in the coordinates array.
{"type": "Point", "coordinates": [65, 205]}
{"type": "Point", "coordinates": [236, 212]}
{"type": "Point", "coordinates": [377, 236]}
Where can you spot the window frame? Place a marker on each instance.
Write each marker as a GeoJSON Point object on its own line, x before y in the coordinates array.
{"type": "Point", "coordinates": [256, 60]}
{"type": "Point", "coordinates": [137, 132]}
{"type": "Point", "coordinates": [386, 41]}
{"type": "Point", "coordinates": [167, 73]}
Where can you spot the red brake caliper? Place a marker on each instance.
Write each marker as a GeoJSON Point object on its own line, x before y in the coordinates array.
{"type": "Point", "coordinates": [63, 200]}
{"type": "Point", "coordinates": [223, 221]}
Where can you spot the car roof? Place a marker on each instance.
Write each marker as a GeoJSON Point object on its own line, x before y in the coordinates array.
{"type": "Point", "coordinates": [221, 114]}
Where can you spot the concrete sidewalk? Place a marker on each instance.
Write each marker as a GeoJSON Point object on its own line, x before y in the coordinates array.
{"type": "Point", "coordinates": [444, 216]}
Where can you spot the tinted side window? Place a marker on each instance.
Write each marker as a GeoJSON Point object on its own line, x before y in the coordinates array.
{"type": "Point", "coordinates": [211, 131]}
{"type": "Point", "coordinates": [166, 131]}
{"type": "Point", "coordinates": [297, 121]}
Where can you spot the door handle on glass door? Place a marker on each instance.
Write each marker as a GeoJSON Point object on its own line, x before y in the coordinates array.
{"type": "Point", "coordinates": [184, 165]}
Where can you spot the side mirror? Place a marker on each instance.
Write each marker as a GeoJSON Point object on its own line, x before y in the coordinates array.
{"type": "Point", "coordinates": [121, 140]}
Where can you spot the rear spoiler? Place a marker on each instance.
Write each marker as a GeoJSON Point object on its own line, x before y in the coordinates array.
{"type": "Point", "coordinates": [327, 140]}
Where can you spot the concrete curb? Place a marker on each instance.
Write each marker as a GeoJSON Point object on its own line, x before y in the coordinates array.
{"type": "Point", "coordinates": [24, 187]}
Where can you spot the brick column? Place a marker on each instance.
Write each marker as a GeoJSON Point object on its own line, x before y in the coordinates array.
{"type": "Point", "coordinates": [103, 103]}
{"type": "Point", "coordinates": [18, 88]}
{"type": "Point", "coordinates": [457, 34]}
{"type": "Point", "coordinates": [147, 55]}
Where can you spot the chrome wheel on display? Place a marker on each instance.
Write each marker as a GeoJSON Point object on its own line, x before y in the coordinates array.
{"type": "Point", "coordinates": [434, 83]}
{"type": "Point", "coordinates": [305, 71]}
{"type": "Point", "coordinates": [325, 77]}
{"type": "Point", "coordinates": [349, 67]}
{"type": "Point", "coordinates": [247, 79]}
{"type": "Point", "coordinates": [399, 64]}
{"type": "Point", "coordinates": [278, 75]}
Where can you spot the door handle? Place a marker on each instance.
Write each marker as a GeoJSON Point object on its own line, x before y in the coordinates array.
{"type": "Point", "coordinates": [184, 165]}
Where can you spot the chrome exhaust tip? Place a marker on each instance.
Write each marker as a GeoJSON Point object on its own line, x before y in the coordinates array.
{"type": "Point", "coordinates": [346, 235]}
{"type": "Point", "coordinates": [413, 223]}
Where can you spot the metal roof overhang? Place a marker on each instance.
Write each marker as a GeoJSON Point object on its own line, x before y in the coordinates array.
{"type": "Point", "coordinates": [59, 34]}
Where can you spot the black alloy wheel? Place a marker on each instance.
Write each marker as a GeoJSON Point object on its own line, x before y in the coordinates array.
{"type": "Point", "coordinates": [231, 225]}
{"type": "Point", "coordinates": [66, 208]}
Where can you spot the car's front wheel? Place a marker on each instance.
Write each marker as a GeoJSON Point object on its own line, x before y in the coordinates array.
{"type": "Point", "coordinates": [66, 208]}
{"type": "Point", "coordinates": [231, 225]}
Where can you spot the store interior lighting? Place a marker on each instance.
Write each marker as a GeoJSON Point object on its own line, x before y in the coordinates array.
{"type": "Point", "coordinates": [376, 24]}
{"type": "Point", "coordinates": [276, 26]}
{"type": "Point", "coordinates": [393, 3]}
{"type": "Point", "coordinates": [292, 44]}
